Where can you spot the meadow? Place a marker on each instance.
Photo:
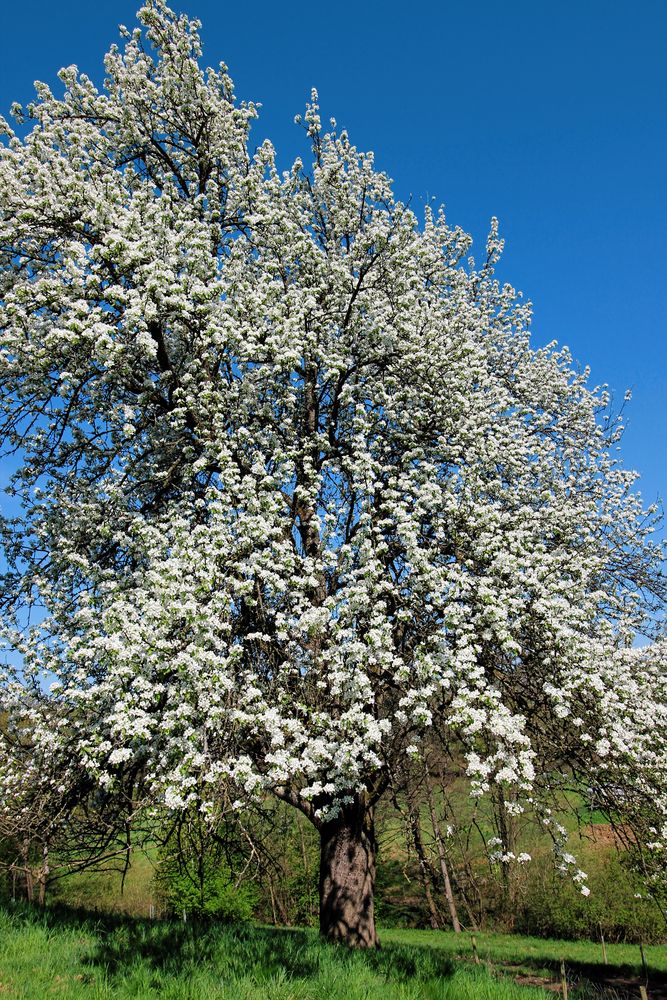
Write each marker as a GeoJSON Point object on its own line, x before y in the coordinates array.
{"type": "Point", "coordinates": [107, 935]}
{"type": "Point", "coordinates": [73, 955]}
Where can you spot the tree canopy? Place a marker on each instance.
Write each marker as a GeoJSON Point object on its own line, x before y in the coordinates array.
{"type": "Point", "coordinates": [296, 493]}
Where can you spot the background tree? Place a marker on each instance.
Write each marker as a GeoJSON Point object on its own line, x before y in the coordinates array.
{"type": "Point", "coordinates": [293, 484]}
{"type": "Point", "coordinates": [194, 874]}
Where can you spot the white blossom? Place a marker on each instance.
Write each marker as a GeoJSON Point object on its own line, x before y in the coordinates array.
{"type": "Point", "coordinates": [306, 494]}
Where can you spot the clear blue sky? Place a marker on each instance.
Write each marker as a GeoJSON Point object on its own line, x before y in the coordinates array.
{"type": "Point", "coordinates": [550, 116]}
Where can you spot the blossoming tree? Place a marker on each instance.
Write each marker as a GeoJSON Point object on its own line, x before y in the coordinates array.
{"type": "Point", "coordinates": [295, 490]}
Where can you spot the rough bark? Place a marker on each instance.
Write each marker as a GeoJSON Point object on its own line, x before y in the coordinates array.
{"type": "Point", "coordinates": [347, 877]}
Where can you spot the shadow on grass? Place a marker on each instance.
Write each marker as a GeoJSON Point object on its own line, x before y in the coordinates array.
{"type": "Point", "coordinates": [230, 951]}
{"type": "Point", "coordinates": [599, 980]}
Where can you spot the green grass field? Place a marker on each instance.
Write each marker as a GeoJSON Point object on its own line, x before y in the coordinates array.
{"type": "Point", "coordinates": [529, 958]}
{"type": "Point", "coordinates": [531, 951]}
{"type": "Point", "coordinates": [72, 956]}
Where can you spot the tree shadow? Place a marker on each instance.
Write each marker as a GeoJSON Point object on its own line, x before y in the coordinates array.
{"type": "Point", "coordinates": [231, 950]}
{"type": "Point", "coordinates": [619, 981]}
{"type": "Point", "coordinates": [241, 950]}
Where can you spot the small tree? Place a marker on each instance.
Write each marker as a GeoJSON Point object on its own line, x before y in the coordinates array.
{"type": "Point", "coordinates": [294, 486]}
{"type": "Point", "coordinates": [194, 873]}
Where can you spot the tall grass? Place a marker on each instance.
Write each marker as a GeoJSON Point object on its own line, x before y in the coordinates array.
{"type": "Point", "coordinates": [78, 958]}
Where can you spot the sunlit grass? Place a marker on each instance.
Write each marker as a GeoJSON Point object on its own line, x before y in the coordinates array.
{"type": "Point", "coordinates": [61, 955]}
{"type": "Point", "coordinates": [538, 954]}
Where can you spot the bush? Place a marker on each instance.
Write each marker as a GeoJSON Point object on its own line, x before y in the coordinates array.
{"type": "Point", "coordinates": [617, 906]}
{"type": "Point", "coordinates": [202, 887]}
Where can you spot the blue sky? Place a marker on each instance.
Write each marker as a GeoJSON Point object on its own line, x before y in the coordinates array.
{"type": "Point", "coordinates": [551, 117]}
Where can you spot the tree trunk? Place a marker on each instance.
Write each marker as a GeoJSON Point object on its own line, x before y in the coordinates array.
{"type": "Point", "coordinates": [424, 866]}
{"type": "Point", "coordinates": [29, 883]}
{"type": "Point", "coordinates": [449, 895]}
{"type": "Point", "coordinates": [43, 875]}
{"type": "Point", "coordinates": [347, 877]}
{"type": "Point", "coordinates": [508, 834]}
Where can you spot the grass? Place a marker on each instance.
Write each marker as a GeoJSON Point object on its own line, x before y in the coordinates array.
{"type": "Point", "coordinates": [505, 947]}
{"type": "Point", "coordinates": [538, 956]}
{"type": "Point", "coordinates": [62, 954]}
{"type": "Point", "coordinates": [108, 891]}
